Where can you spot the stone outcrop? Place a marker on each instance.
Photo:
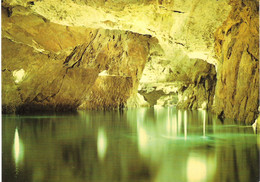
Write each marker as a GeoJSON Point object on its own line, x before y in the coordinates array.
{"type": "Point", "coordinates": [199, 93]}
{"type": "Point", "coordinates": [237, 48]}
{"type": "Point", "coordinates": [191, 86]}
{"type": "Point", "coordinates": [108, 92]}
{"type": "Point", "coordinates": [43, 75]}
{"type": "Point", "coordinates": [55, 54]}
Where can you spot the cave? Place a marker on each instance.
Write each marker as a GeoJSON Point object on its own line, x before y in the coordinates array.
{"type": "Point", "coordinates": [130, 90]}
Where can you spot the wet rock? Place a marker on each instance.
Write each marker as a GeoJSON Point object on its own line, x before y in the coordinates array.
{"type": "Point", "coordinates": [61, 81]}
{"type": "Point", "coordinates": [54, 51]}
{"type": "Point", "coordinates": [199, 92]}
{"type": "Point", "coordinates": [237, 45]}
{"type": "Point", "coordinates": [256, 125]}
{"type": "Point", "coordinates": [164, 94]}
{"type": "Point", "coordinates": [192, 85]}
{"type": "Point", "coordinates": [108, 92]}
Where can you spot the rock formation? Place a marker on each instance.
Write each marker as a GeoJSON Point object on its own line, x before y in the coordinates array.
{"type": "Point", "coordinates": [237, 48]}
{"type": "Point", "coordinates": [104, 54]}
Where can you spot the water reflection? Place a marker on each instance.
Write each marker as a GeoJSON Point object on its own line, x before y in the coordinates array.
{"type": "Point", "coordinates": [161, 144]}
{"type": "Point", "coordinates": [204, 123]}
{"type": "Point", "coordinates": [196, 168]}
{"type": "Point", "coordinates": [185, 125]}
{"type": "Point", "coordinates": [18, 149]}
{"type": "Point", "coordinates": [101, 143]}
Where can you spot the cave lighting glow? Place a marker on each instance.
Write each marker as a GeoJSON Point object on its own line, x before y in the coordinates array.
{"type": "Point", "coordinates": [18, 148]}
{"type": "Point", "coordinates": [143, 138]}
{"type": "Point", "coordinates": [142, 135]}
{"type": "Point", "coordinates": [185, 125]}
{"type": "Point", "coordinates": [179, 121]}
{"type": "Point", "coordinates": [103, 73]}
{"type": "Point", "coordinates": [204, 123]}
{"type": "Point", "coordinates": [196, 169]}
{"type": "Point", "coordinates": [18, 75]}
{"type": "Point", "coordinates": [172, 124]}
{"type": "Point", "coordinates": [102, 143]}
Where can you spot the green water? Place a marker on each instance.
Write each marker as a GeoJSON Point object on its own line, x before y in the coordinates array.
{"type": "Point", "coordinates": [161, 144]}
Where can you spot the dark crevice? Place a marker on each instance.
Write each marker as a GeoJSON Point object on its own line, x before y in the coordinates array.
{"type": "Point", "coordinates": [230, 47]}
{"type": "Point", "coordinates": [73, 53]}
{"type": "Point", "coordinates": [68, 58]}
{"type": "Point", "coordinates": [51, 96]}
{"type": "Point", "coordinates": [151, 30]}
{"type": "Point", "coordinates": [31, 2]}
{"type": "Point", "coordinates": [179, 43]}
{"type": "Point", "coordinates": [3, 70]}
{"type": "Point", "coordinates": [175, 11]}
{"type": "Point", "coordinates": [233, 29]}
{"type": "Point", "coordinates": [252, 56]}
{"type": "Point", "coordinates": [221, 116]}
{"type": "Point", "coordinates": [9, 12]}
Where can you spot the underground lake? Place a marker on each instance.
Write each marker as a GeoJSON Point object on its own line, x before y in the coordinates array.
{"type": "Point", "coordinates": [144, 144]}
{"type": "Point", "coordinates": [130, 90]}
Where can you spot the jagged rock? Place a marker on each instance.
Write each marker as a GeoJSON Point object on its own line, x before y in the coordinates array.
{"type": "Point", "coordinates": [164, 94]}
{"type": "Point", "coordinates": [58, 81]}
{"type": "Point", "coordinates": [199, 93]}
{"type": "Point", "coordinates": [192, 87]}
{"type": "Point", "coordinates": [237, 45]}
{"type": "Point", "coordinates": [47, 84]}
{"type": "Point", "coordinates": [54, 51]}
{"type": "Point", "coordinates": [137, 100]}
{"type": "Point", "coordinates": [108, 92]}
{"type": "Point", "coordinates": [173, 23]}
{"type": "Point", "coordinates": [256, 125]}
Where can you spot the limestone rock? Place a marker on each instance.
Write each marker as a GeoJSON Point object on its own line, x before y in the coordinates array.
{"type": "Point", "coordinates": [199, 93]}
{"type": "Point", "coordinates": [237, 45]}
{"type": "Point", "coordinates": [191, 86]}
{"type": "Point", "coordinates": [173, 23]}
{"type": "Point", "coordinates": [55, 51]}
{"type": "Point", "coordinates": [108, 92]}
{"type": "Point", "coordinates": [47, 84]}
{"type": "Point", "coordinates": [137, 100]}
{"type": "Point", "coordinates": [60, 81]}
{"type": "Point", "coordinates": [164, 93]}
{"type": "Point", "coordinates": [256, 125]}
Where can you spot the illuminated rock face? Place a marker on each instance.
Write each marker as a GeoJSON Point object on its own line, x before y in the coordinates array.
{"type": "Point", "coordinates": [237, 46]}
{"type": "Point", "coordinates": [49, 80]}
{"type": "Point", "coordinates": [190, 86]}
{"type": "Point", "coordinates": [55, 54]}
{"type": "Point", "coordinates": [108, 92]}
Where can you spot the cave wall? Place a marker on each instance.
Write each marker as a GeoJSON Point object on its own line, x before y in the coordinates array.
{"type": "Point", "coordinates": [189, 86]}
{"type": "Point", "coordinates": [46, 66]}
{"type": "Point", "coordinates": [65, 54]}
{"type": "Point", "coordinates": [109, 92]}
{"type": "Point", "coordinates": [237, 48]}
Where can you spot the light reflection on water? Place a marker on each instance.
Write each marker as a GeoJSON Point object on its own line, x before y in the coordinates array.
{"type": "Point", "coordinates": [160, 144]}
{"type": "Point", "coordinates": [17, 150]}
{"type": "Point", "coordinates": [101, 143]}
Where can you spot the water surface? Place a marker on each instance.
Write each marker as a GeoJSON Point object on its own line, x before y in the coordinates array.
{"type": "Point", "coordinates": [145, 144]}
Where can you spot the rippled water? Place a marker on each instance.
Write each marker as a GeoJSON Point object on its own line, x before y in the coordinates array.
{"type": "Point", "coordinates": [161, 144]}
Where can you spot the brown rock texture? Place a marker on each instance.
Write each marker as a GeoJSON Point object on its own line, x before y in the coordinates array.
{"type": "Point", "coordinates": [47, 83]}
{"type": "Point", "coordinates": [57, 68]}
{"type": "Point", "coordinates": [53, 54]}
{"type": "Point", "coordinates": [237, 48]}
{"type": "Point", "coordinates": [199, 92]}
{"type": "Point", "coordinates": [108, 92]}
